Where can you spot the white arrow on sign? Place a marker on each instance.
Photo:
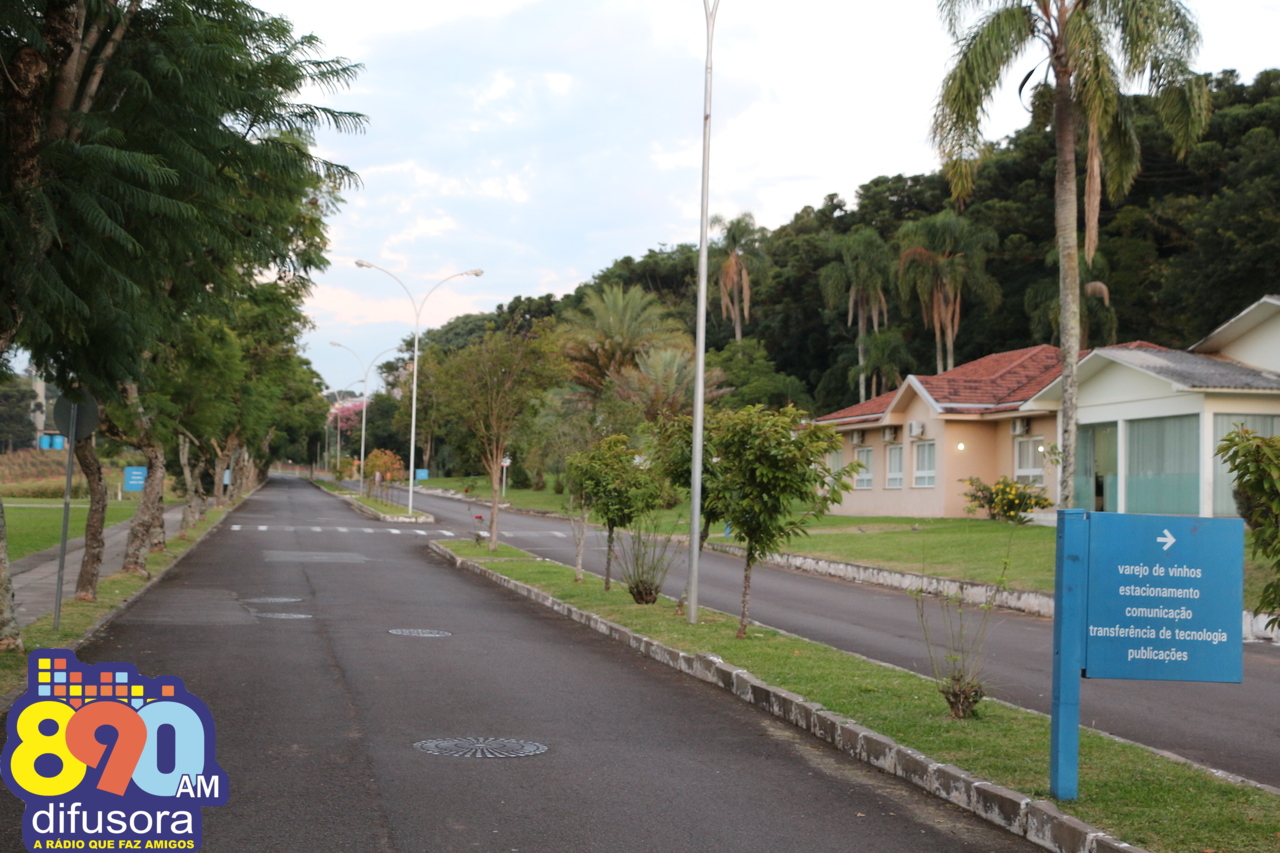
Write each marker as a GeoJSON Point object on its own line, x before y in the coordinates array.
{"type": "Point", "coordinates": [1167, 539]}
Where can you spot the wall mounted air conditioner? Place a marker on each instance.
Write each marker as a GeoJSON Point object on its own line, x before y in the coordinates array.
{"type": "Point", "coordinates": [857, 436]}
{"type": "Point", "coordinates": [1020, 426]}
{"type": "Point", "coordinates": [889, 435]}
{"type": "Point", "coordinates": [915, 429]}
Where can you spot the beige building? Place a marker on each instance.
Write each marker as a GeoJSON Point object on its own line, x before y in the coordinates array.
{"type": "Point", "coordinates": [1150, 421]}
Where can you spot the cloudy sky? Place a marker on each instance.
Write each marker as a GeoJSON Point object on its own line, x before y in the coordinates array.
{"type": "Point", "coordinates": [539, 140]}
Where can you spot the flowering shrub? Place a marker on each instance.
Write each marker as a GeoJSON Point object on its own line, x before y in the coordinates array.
{"type": "Point", "coordinates": [1006, 500]}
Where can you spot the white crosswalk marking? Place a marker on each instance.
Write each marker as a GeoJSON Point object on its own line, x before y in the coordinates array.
{"type": "Point", "coordinates": [392, 530]}
{"type": "Point", "coordinates": [342, 530]}
{"type": "Point", "coordinates": [317, 529]}
{"type": "Point", "coordinates": [235, 527]}
{"type": "Point", "coordinates": [420, 532]}
{"type": "Point", "coordinates": [445, 532]}
{"type": "Point", "coordinates": [559, 535]}
{"type": "Point", "coordinates": [262, 527]}
{"type": "Point", "coordinates": [367, 529]}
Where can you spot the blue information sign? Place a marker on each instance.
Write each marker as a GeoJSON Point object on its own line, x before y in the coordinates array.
{"type": "Point", "coordinates": [1165, 594]}
{"type": "Point", "coordinates": [134, 478]}
{"type": "Point", "coordinates": [422, 474]}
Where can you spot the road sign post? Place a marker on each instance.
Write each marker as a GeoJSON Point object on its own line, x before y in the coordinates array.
{"type": "Point", "coordinates": [1145, 597]}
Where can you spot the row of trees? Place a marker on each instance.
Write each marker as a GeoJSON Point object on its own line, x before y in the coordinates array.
{"type": "Point", "coordinates": [161, 212]}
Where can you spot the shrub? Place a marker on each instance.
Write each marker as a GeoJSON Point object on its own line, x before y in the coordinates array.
{"type": "Point", "coordinates": [1006, 500]}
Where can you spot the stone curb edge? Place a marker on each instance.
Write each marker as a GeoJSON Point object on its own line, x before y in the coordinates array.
{"type": "Point", "coordinates": [1039, 821]}
{"type": "Point", "coordinates": [8, 699]}
{"type": "Point", "coordinates": [370, 512]}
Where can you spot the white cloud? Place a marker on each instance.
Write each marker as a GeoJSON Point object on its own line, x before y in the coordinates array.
{"type": "Point", "coordinates": [422, 227]}
{"type": "Point", "coordinates": [559, 83]}
{"type": "Point", "coordinates": [329, 304]}
{"type": "Point", "coordinates": [499, 86]}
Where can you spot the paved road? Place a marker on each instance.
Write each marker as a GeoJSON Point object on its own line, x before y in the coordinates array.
{"type": "Point", "coordinates": [317, 716]}
{"type": "Point", "coordinates": [1232, 727]}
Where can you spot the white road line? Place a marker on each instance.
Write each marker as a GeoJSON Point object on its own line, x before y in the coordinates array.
{"type": "Point", "coordinates": [445, 532]}
{"type": "Point", "coordinates": [317, 529]}
{"type": "Point", "coordinates": [420, 532]}
{"type": "Point", "coordinates": [287, 529]}
{"type": "Point", "coordinates": [559, 535]}
{"type": "Point", "coordinates": [367, 529]}
{"type": "Point", "coordinates": [342, 530]}
{"type": "Point", "coordinates": [393, 530]}
{"type": "Point", "coordinates": [262, 527]}
{"type": "Point", "coordinates": [235, 527]}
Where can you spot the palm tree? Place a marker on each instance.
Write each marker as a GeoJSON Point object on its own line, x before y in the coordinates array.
{"type": "Point", "coordinates": [887, 357]}
{"type": "Point", "coordinates": [1092, 46]}
{"type": "Point", "coordinates": [742, 255]}
{"type": "Point", "coordinates": [613, 330]}
{"type": "Point", "coordinates": [861, 274]}
{"type": "Point", "coordinates": [943, 256]}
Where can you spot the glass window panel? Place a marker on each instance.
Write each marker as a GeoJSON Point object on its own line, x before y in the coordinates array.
{"type": "Point", "coordinates": [1029, 460]}
{"type": "Point", "coordinates": [893, 466]}
{"type": "Point", "coordinates": [925, 460]}
{"type": "Point", "coordinates": [865, 477]}
{"type": "Point", "coordinates": [1164, 465]}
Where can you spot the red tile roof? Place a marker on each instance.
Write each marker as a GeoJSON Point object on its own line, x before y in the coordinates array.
{"type": "Point", "coordinates": [874, 407]}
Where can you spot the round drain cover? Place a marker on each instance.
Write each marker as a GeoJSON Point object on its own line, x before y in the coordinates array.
{"type": "Point", "coordinates": [271, 600]}
{"type": "Point", "coordinates": [480, 747]}
{"type": "Point", "coordinates": [284, 615]}
{"type": "Point", "coordinates": [419, 632]}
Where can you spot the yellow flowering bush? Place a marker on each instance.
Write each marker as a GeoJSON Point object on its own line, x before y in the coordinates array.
{"type": "Point", "coordinates": [1006, 500]}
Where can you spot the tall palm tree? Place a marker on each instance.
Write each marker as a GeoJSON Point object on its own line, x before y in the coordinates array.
{"type": "Point", "coordinates": [862, 274]}
{"type": "Point", "coordinates": [1093, 46]}
{"type": "Point", "coordinates": [743, 256]}
{"type": "Point", "coordinates": [614, 328]}
{"type": "Point", "coordinates": [943, 256]}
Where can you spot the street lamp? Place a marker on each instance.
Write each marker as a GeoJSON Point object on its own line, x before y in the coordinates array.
{"type": "Point", "coordinates": [417, 318]}
{"type": "Point", "coordinates": [364, 384]}
{"type": "Point", "coordinates": [700, 358]}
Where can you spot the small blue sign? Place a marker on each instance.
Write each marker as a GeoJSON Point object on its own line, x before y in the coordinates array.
{"type": "Point", "coordinates": [134, 478]}
{"type": "Point", "coordinates": [422, 474]}
{"type": "Point", "coordinates": [1165, 594]}
{"type": "Point", "coordinates": [226, 477]}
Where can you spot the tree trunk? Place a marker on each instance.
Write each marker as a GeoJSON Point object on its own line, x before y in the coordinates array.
{"type": "Point", "coordinates": [91, 562]}
{"type": "Point", "coordinates": [746, 600]}
{"type": "Point", "coordinates": [578, 524]}
{"type": "Point", "coordinates": [188, 479]}
{"type": "Point", "coordinates": [608, 561]}
{"type": "Point", "coordinates": [862, 354]}
{"type": "Point", "coordinates": [152, 498]}
{"type": "Point", "coordinates": [10, 637]}
{"type": "Point", "coordinates": [1065, 218]}
{"type": "Point", "coordinates": [495, 484]}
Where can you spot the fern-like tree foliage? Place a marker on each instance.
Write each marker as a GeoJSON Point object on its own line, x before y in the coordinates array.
{"type": "Point", "coordinates": [154, 166]}
{"type": "Point", "coordinates": [1093, 47]}
{"type": "Point", "coordinates": [862, 275]}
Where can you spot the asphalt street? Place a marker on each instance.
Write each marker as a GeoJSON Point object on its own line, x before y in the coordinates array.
{"type": "Point", "coordinates": [318, 708]}
{"type": "Point", "coordinates": [1231, 727]}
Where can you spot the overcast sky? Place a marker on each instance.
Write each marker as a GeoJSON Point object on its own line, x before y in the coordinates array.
{"type": "Point", "coordinates": [539, 140]}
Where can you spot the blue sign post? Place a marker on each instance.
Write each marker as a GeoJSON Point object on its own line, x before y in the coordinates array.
{"type": "Point", "coordinates": [1140, 597]}
{"type": "Point", "coordinates": [135, 476]}
{"type": "Point", "coordinates": [421, 474]}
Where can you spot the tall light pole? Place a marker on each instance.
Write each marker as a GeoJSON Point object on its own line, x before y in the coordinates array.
{"type": "Point", "coordinates": [700, 346]}
{"type": "Point", "coordinates": [364, 386]}
{"type": "Point", "coordinates": [417, 318]}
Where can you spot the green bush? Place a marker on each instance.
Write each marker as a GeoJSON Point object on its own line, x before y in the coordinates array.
{"type": "Point", "coordinates": [1007, 500]}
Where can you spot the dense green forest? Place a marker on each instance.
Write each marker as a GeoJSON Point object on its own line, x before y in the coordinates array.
{"type": "Point", "coordinates": [1192, 243]}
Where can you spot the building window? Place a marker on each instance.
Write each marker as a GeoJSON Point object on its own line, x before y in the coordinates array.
{"type": "Point", "coordinates": [1164, 466]}
{"type": "Point", "coordinates": [1028, 464]}
{"type": "Point", "coordinates": [893, 466]}
{"type": "Point", "coordinates": [926, 454]}
{"type": "Point", "coordinates": [864, 478]}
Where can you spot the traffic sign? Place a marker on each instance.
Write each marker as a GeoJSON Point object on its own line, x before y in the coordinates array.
{"type": "Point", "coordinates": [86, 416]}
{"type": "Point", "coordinates": [135, 476]}
{"type": "Point", "coordinates": [421, 474]}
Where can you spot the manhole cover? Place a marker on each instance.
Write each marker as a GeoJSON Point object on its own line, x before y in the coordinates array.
{"type": "Point", "coordinates": [480, 747]}
{"type": "Point", "coordinates": [284, 615]}
{"type": "Point", "coordinates": [271, 600]}
{"type": "Point", "coordinates": [419, 632]}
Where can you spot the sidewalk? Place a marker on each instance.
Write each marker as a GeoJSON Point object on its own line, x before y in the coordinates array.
{"type": "Point", "coordinates": [36, 575]}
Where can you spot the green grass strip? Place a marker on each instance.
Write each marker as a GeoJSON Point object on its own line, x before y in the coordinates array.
{"type": "Point", "coordinates": [1125, 790]}
{"type": "Point", "coordinates": [78, 617]}
{"type": "Point", "coordinates": [32, 529]}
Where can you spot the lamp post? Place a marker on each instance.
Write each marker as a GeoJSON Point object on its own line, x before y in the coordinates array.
{"type": "Point", "coordinates": [417, 318]}
{"type": "Point", "coordinates": [700, 346]}
{"type": "Point", "coordinates": [364, 385]}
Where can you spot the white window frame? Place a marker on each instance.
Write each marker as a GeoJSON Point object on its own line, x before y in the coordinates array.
{"type": "Point", "coordinates": [924, 478]}
{"type": "Point", "coordinates": [865, 478]}
{"type": "Point", "coordinates": [1034, 475]}
{"type": "Point", "coordinates": [893, 479]}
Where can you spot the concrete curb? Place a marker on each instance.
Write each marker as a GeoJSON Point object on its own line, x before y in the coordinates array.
{"type": "Point", "coordinates": [1039, 821]}
{"type": "Point", "coordinates": [370, 512]}
{"type": "Point", "coordinates": [8, 699]}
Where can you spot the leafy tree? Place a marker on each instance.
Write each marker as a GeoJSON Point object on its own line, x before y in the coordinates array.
{"type": "Point", "coordinates": [489, 389]}
{"type": "Point", "coordinates": [942, 257]}
{"type": "Point", "coordinates": [750, 378]}
{"type": "Point", "coordinates": [1254, 461]}
{"type": "Point", "coordinates": [614, 487]}
{"type": "Point", "coordinates": [1091, 48]}
{"type": "Point", "coordinates": [770, 463]}
{"type": "Point", "coordinates": [862, 274]}
{"type": "Point", "coordinates": [16, 427]}
{"type": "Point", "coordinates": [662, 383]}
{"type": "Point", "coordinates": [887, 358]}
{"type": "Point", "coordinates": [613, 329]}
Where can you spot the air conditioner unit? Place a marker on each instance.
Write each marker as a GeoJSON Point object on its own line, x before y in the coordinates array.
{"type": "Point", "coordinates": [857, 436]}
{"type": "Point", "coordinates": [1020, 426]}
{"type": "Point", "coordinates": [915, 429]}
{"type": "Point", "coordinates": [889, 435]}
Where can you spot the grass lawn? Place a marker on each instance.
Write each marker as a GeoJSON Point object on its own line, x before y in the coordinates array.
{"type": "Point", "coordinates": [1128, 791]}
{"type": "Point", "coordinates": [32, 529]}
{"type": "Point", "coordinates": [79, 616]}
